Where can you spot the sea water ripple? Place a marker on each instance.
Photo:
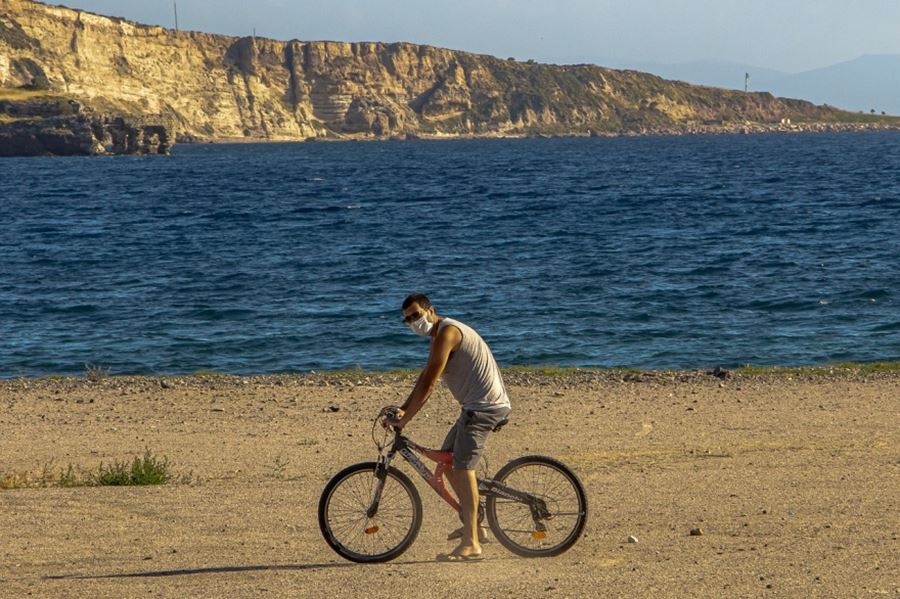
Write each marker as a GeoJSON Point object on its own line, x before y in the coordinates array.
{"type": "Point", "coordinates": [663, 252]}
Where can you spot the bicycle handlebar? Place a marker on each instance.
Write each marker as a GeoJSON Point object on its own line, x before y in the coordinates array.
{"type": "Point", "coordinates": [389, 412]}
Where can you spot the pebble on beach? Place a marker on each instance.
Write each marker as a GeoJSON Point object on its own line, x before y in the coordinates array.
{"type": "Point", "coordinates": [632, 539]}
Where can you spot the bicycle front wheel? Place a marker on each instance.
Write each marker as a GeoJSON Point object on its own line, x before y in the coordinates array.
{"type": "Point", "coordinates": [347, 526]}
{"type": "Point", "coordinates": [552, 527]}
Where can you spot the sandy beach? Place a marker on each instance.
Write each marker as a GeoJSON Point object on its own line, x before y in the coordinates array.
{"type": "Point", "coordinates": [793, 477]}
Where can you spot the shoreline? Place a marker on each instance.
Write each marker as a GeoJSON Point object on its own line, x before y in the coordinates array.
{"type": "Point", "coordinates": [513, 375]}
{"type": "Point", "coordinates": [690, 131]}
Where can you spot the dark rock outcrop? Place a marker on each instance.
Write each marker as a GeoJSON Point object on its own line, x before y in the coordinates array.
{"type": "Point", "coordinates": [84, 135]}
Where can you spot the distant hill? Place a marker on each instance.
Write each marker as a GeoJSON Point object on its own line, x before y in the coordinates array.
{"type": "Point", "coordinates": [869, 82]}
{"type": "Point", "coordinates": [866, 83]}
{"type": "Point", "coordinates": [220, 87]}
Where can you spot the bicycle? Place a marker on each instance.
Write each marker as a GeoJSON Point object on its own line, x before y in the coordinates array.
{"type": "Point", "coordinates": [372, 512]}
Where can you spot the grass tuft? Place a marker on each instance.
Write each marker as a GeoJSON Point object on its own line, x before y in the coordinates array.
{"type": "Point", "coordinates": [68, 478]}
{"type": "Point", "coordinates": [146, 470]}
{"type": "Point", "coordinates": [149, 470]}
{"type": "Point", "coordinates": [93, 372]}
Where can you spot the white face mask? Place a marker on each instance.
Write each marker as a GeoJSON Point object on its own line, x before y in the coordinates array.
{"type": "Point", "coordinates": [421, 327]}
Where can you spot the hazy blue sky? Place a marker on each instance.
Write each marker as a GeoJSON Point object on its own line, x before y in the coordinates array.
{"type": "Point", "coordinates": [788, 35]}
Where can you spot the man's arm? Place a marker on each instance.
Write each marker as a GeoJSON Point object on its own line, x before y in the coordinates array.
{"type": "Point", "coordinates": [447, 340]}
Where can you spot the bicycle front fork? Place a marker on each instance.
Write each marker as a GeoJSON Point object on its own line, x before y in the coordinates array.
{"type": "Point", "coordinates": [381, 470]}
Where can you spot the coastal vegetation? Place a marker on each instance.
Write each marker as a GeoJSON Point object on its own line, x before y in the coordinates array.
{"type": "Point", "coordinates": [148, 469]}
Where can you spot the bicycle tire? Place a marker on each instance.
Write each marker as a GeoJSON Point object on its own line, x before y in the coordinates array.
{"type": "Point", "coordinates": [347, 495]}
{"type": "Point", "coordinates": [525, 542]}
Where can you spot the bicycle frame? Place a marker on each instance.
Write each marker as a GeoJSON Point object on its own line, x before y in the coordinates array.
{"type": "Point", "coordinates": [486, 487]}
{"type": "Point", "coordinates": [405, 447]}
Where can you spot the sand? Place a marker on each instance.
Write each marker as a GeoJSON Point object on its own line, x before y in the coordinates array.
{"type": "Point", "coordinates": [794, 480]}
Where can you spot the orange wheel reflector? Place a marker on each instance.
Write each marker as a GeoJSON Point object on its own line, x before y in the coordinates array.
{"type": "Point", "coordinates": [371, 530]}
{"type": "Point", "coordinates": [538, 534]}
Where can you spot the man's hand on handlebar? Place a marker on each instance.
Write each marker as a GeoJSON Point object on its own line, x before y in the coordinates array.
{"type": "Point", "coordinates": [393, 417]}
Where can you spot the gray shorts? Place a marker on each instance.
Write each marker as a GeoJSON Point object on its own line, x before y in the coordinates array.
{"type": "Point", "coordinates": [466, 438]}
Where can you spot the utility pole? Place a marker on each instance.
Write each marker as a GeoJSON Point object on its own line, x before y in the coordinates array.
{"type": "Point", "coordinates": [175, 6]}
{"type": "Point", "coordinates": [746, 82]}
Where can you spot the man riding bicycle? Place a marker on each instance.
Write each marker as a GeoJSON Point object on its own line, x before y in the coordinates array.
{"type": "Point", "coordinates": [463, 359]}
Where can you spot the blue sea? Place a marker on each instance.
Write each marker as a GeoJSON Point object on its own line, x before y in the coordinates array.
{"type": "Point", "coordinates": [657, 252]}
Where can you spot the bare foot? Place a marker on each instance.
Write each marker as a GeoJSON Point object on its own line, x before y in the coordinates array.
{"type": "Point", "coordinates": [465, 550]}
{"type": "Point", "coordinates": [463, 553]}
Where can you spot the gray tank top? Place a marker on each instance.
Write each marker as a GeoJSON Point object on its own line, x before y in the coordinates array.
{"type": "Point", "coordinates": [472, 374]}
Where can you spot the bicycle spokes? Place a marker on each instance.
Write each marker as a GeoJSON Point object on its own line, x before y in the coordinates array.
{"type": "Point", "coordinates": [369, 516]}
{"type": "Point", "coordinates": [537, 506]}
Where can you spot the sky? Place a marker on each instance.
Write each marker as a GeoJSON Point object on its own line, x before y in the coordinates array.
{"type": "Point", "coordinates": [785, 35]}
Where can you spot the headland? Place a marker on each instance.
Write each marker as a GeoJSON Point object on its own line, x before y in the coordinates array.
{"type": "Point", "coordinates": [201, 87]}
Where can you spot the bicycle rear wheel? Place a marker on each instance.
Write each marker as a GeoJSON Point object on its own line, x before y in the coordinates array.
{"type": "Point", "coordinates": [543, 532]}
{"type": "Point", "coordinates": [348, 529]}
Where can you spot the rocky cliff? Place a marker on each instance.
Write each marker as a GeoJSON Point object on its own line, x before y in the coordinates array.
{"type": "Point", "coordinates": [36, 124]}
{"type": "Point", "coordinates": [214, 86]}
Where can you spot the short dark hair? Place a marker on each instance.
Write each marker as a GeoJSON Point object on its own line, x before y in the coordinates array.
{"type": "Point", "coordinates": [417, 298]}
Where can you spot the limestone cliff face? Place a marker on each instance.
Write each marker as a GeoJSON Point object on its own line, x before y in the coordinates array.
{"type": "Point", "coordinates": [215, 86]}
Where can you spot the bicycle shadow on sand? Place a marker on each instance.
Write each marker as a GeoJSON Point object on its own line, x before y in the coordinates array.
{"type": "Point", "coordinates": [222, 570]}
